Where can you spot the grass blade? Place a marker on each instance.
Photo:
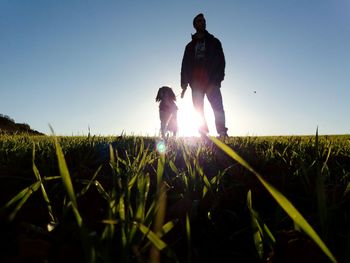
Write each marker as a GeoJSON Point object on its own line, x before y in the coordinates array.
{"type": "Point", "coordinates": [160, 168]}
{"type": "Point", "coordinates": [67, 182]}
{"type": "Point", "coordinates": [347, 190]}
{"type": "Point", "coordinates": [257, 231]}
{"type": "Point", "coordinates": [156, 241]}
{"type": "Point", "coordinates": [92, 181]}
{"type": "Point", "coordinates": [45, 196]}
{"type": "Point", "coordinates": [188, 234]}
{"type": "Point", "coordinates": [21, 198]}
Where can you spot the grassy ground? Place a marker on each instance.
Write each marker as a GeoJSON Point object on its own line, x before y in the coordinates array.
{"type": "Point", "coordinates": [132, 199]}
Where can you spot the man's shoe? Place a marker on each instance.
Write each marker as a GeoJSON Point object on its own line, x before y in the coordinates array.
{"type": "Point", "coordinates": [223, 135]}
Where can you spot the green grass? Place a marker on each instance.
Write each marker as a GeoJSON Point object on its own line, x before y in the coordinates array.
{"type": "Point", "coordinates": [207, 201]}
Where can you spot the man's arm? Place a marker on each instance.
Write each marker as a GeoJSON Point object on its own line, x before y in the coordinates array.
{"type": "Point", "coordinates": [222, 62]}
{"type": "Point", "coordinates": [184, 70]}
{"type": "Point", "coordinates": [217, 65]}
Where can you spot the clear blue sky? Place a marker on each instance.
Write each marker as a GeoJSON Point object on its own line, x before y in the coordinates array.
{"type": "Point", "coordinates": [76, 64]}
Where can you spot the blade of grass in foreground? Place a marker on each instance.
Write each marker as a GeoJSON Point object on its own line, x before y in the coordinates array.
{"type": "Point", "coordinates": [89, 250]}
{"type": "Point", "coordinates": [21, 198]}
{"type": "Point", "coordinates": [67, 182]}
{"type": "Point", "coordinates": [160, 169]}
{"type": "Point", "coordinates": [257, 235]}
{"type": "Point", "coordinates": [286, 205]}
{"type": "Point", "coordinates": [45, 196]}
{"type": "Point", "coordinates": [156, 241]}
{"type": "Point", "coordinates": [188, 234]}
{"type": "Point", "coordinates": [159, 220]}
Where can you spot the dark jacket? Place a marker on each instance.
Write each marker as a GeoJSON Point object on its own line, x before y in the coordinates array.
{"type": "Point", "coordinates": [214, 62]}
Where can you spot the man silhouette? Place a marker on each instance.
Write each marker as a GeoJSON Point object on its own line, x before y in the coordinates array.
{"type": "Point", "coordinates": [203, 69]}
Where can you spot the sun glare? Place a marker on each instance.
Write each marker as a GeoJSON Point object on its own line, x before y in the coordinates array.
{"type": "Point", "coordinates": [188, 119]}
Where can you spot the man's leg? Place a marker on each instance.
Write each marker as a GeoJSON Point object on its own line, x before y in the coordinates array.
{"type": "Point", "coordinates": [215, 98]}
{"type": "Point", "coordinates": [198, 103]}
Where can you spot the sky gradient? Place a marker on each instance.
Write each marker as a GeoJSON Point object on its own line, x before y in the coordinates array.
{"type": "Point", "coordinates": [97, 65]}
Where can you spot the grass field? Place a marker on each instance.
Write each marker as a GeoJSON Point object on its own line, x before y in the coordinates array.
{"type": "Point", "coordinates": [135, 199]}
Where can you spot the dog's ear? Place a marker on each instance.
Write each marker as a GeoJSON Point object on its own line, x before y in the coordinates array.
{"type": "Point", "coordinates": [159, 95]}
{"type": "Point", "coordinates": [171, 94]}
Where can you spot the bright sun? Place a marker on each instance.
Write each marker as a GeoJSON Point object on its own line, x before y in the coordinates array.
{"type": "Point", "coordinates": [188, 119]}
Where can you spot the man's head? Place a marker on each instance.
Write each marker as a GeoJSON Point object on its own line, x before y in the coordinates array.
{"type": "Point", "coordinates": [199, 22]}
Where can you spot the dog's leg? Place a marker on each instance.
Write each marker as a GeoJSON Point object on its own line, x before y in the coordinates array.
{"type": "Point", "coordinates": [162, 117]}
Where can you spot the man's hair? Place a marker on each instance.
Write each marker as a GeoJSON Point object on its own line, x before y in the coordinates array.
{"type": "Point", "coordinates": [197, 16]}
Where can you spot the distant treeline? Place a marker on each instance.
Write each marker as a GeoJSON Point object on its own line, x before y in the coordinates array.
{"type": "Point", "coordinates": [9, 126]}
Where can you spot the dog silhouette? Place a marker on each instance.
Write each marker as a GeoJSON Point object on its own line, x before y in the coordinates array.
{"type": "Point", "coordinates": [167, 111]}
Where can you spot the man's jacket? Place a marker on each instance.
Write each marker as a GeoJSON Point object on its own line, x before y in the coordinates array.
{"type": "Point", "coordinates": [213, 63]}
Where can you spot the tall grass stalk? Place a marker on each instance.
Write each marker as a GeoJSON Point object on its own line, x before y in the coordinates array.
{"type": "Point", "coordinates": [67, 182]}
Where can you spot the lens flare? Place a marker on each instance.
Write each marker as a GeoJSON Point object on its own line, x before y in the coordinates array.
{"type": "Point", "coordinates": [161, 147]}
{"type": "Point", "coordinates": [189, 120]}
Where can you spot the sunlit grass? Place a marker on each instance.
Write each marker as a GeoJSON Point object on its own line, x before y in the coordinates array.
{"type": "Point", "coordinates": [287, 206]}
{"type": "Point", "coordinates": [139, 187]}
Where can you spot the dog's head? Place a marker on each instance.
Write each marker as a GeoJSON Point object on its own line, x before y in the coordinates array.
{"type": "Point", "coordinates": [164, 93]}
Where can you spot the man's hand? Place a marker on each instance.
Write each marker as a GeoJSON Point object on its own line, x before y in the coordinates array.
{"type": "Point", "coordinates": [184, 88]}
{"type": "Point", "coordinates": [183, 93]}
